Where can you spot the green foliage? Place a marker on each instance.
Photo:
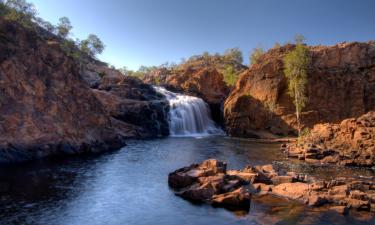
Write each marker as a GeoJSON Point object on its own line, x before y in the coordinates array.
{"type": "Point", "coordinates": [45, 24]}
{"type": "Point", "coordinates": [299, 39]}
{"type": "Point", "coordinates": [255, 55]}
{"type": "Point", "coordinates": [20, 11]}
{"type": "Point", "coordinates": [303, 135]}
{"type": "Point", "coordinates": [233, 54]}
{"type": "Point", "coordinates": [70, 48]}
{"type": "Point", "coordinates": [92, 45]}
{"type": "Point", "coordinates": [296, 63]}
{"type": "Point", "coordinates": [230, 76]}
{"type": "Point", "coordinates": [137, 74]}
{"type": "Point", "coordinates": [64, 27]}
{"type": "Point", "coordinates": [125, 71]}
{"type": "Point", "coordinates": [271, 106]}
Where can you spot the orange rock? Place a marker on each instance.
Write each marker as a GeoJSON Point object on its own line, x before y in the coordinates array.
{"type": "Point", "coordinates": [336, 90]}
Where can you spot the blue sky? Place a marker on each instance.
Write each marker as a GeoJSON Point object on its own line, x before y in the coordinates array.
{"type": "Point", "coordinates": [151, 32]}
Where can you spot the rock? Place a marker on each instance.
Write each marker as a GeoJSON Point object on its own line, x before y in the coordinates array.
{"type": "Point", "coordinates": [317, 199]}
{"type": "Point", "coordinates": [245, 176]}
{"type": "Point", "coordinates": [281, 179]}
{"type": "Point", "coordinates": [213, 166]}
{"type": "Point", "coordinates": [348, 143]}
{"type": "Point", "coordinates": [238, 199]}
{"type": "Point", "coordinates": [179, 179]}
{"type": "Point", "coordinates": [340, 209]}
{"type": "Point", "coordinates": [260, 104]}
{"type": "Point", "coordinates": [232, 189]}
{"type": "Point", "coordinates": [130, 101]}
{"type": "Point", "coordinates": [45, 106]}
{"type": "Point", "coordinates": [196, 193]}
{"type": "Point", "coordinates": [262, 187]}
{"type": "Point", "coordinates": [295, 191]}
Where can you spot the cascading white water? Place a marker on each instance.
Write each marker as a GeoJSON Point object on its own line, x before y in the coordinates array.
{"type": "Point", "coordinates": [188, 115]}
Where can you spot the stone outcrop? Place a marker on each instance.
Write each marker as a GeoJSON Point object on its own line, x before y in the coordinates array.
{"type": "Point", "coordinates": [210, 182]}
{"type": "Point", "coordinates": [51, 104]}
{"type": "Point", "coordinates": [349, 143]}
{"type": "Point", "coordinates": [131, 102]}
{"type": "Point", "coordinates": [341, 84]}
{"type": "Point", "coordinates": [45, 108]}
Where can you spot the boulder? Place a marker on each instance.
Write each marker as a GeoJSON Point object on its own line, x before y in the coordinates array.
{"type": "Point", "coordinates": [237, 199]}
{"type": "Point", "coordinates": [295, 191]}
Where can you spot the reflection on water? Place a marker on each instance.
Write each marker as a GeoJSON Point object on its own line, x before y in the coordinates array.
{"type": "Point", "coordinates": [129, 186]}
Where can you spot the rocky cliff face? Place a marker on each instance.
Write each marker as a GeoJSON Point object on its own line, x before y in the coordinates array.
{"type": "Point", "coordinates": [48, 108]}
{"type": "Point", "coordinates": [341, 84]}
{"type": "Point", "coordinates": [131, 102]}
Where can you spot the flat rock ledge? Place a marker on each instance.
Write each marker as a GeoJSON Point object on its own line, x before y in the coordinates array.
{"type": "Point", "coordinates": [210, 182]}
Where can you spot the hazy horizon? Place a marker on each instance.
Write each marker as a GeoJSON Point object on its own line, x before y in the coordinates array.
{"type": "Point", "coordinates": [144, 32]}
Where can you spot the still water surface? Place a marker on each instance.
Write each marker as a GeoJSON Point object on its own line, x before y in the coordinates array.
{"type": "Point", "coordinates": [130, 187]}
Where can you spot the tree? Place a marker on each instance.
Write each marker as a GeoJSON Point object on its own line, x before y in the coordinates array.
{"type": "Point", "coordinates": [125, 71]}
{"type": "Point", "coordinates": [45, 24]}
{"type": "Point", "coordinates": [233, 54]}
{"type": "Point", "coordinates": [255, 55]}
{"type": "Point", "coordinates": [64, 27]}
{"type": "Point", "coordinates": [230, 76]}
{"type": "Point", "coordinates": [92, 45]}
{"type": "Point", "coordinates": [296, 63]}
{"type": "Point", "coordinates": [20, 11]}
{"type": "Point", "coordinates": [299, 38]}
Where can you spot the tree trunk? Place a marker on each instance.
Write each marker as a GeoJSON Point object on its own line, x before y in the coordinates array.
{"type": "Point", "coordinates": [296, 96]}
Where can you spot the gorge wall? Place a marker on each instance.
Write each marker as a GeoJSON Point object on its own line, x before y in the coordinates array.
{"type": "Point", "coordinates": [200, 77]}
{"type": "Point", "coordinates": [48, 107]}
{"type": "Point", "coordinates": [341, 84]}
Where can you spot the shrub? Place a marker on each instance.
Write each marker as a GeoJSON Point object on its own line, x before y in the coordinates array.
{"type": "Point", "coordinates": [233, 54]}
{"type": "Point", "coordinates": [230, 76]}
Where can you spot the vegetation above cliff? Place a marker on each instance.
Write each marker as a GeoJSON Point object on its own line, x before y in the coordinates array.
{"type": "Point", "coordinates": [25, 14]}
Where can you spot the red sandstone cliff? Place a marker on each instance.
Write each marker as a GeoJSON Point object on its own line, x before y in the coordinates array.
{"type": "Point", "coordinates": [48, 108]}
{"type": "Point", "coordinates": [341, 84]}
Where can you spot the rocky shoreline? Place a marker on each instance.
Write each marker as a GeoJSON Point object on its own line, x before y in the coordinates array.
{"type": "Point", "coordinates": [349, 143]}
{"type": "Point", "coordinates": [210, 182]}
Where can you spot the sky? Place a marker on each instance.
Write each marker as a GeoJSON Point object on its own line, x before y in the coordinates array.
{"type": "Point", "coordinates": [152, 32]}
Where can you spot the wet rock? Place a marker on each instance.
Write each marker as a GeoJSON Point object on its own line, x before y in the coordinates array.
{"type": "Point", "coordinates": [210, 182]}
{"type": "Point", "coordinates": [316, 199]}
{"type": "Point", "coordinates": [340, 209]}
{"type": "Point", "coordinates": [282, 179]}
{"type": "Point", "coordinates": [295, 191]}
{"type": "Point", "coordinates": [237, 199]}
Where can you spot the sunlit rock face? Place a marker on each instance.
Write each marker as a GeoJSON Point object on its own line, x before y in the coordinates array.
{"type": "Point", "coordinates": [341, 84]}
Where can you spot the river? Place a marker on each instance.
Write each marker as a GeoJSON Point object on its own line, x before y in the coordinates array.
{"type": "Point", "coordinates": [129, 186]}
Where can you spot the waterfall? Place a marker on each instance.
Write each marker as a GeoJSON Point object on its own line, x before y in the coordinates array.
{"type": "Point", "coordinates": [188, 115]}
